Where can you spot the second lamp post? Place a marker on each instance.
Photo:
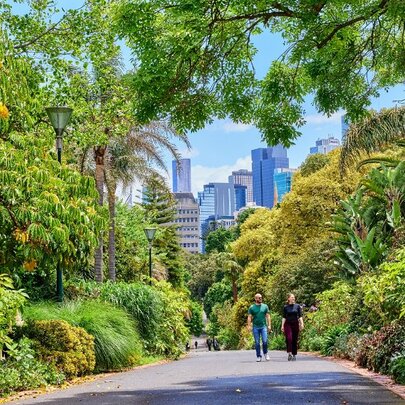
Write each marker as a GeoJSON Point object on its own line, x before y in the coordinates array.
{"type": "Point", "coordinates": [150, 234]}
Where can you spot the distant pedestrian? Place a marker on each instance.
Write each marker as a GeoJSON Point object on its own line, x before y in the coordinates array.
{"type": "Point", "coordinates": [291, 325]}
{"type": "Point", "coordinates": [209, 344]}
{"type": "Point", "coordinates": [259, 321]}
{"type": "Point", "coordinates": [187, 347]}
{"type": "Point", "coordinates": [215, 344]}
{"type": "Point", "coordinates": [196, 344]}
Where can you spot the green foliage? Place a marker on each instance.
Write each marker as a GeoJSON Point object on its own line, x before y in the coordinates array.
{"type": "Point", "coordinates": [397, 369]}
{"type": "Point", "coordinates": [313, 163]}
{"type": "Point", "coordinates": [70, 349]}
{"type": "Point", "coordinates": [306, 275]}
{"type": "Point", "coordinates": [195, 65]}
{"type": "Point", "coordinates": [116, 342]}
{"type": "Point", "coordinates": [160, 208]}
{"type": "Point", "coordinates": [22, 371]}
{"type": "Point", "coordinates": [131, 244]}
{"type": "Point", "coordinates": [11, 301]}
{"type": "Point", "coordinates": [228, 338]}
{"type": "Point", "coordinates": [330, 337]}
{"type": "Point", "coordinates": [372, 220]}
{"type": "Point", "coordinates": [277, 342]}
{"type": "Point", "coordinates": [218, 293]}
{"type": "Point", "coordinates": [335, 308]}
{"type": "Point", "coordinates": [384, 292]}
{"type": "Point", "coordinates": [346, 345]}
{"type": "Point", "coordinates": [310, 339]}
{"type": "Point", "coordinates": [217, 240]}
{"type": "Point", "coordinates": [201, 271]}
{"type": "Point", "coordinates": [159, 313]}
{"type": "Point", "coordinates": [64, 225]}
{"type": "Point", "coordinates": [195, 322]}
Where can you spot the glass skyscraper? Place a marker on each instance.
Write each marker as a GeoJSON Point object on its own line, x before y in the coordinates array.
{"type": "Point", "coordinates": [243, 177]}
{"type": "Point", "coordinates": [240, 196]}
{"type": "Point", "coordinates": [264, 162]}
{"type": "Point", "coordinates": [282, 183]}
{"type": "Point", "coordinates": [181, 176]}
{"type": "Point", "coordinates": [217, 200]}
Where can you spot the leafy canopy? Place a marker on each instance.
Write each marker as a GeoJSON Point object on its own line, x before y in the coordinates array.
{"type": "Point", "coordinates": [195, 59]}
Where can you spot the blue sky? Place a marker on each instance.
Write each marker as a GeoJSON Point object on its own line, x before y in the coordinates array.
{"type": "Point", "coordinates": [224, 146]}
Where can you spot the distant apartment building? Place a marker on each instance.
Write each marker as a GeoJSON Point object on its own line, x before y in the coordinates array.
{"type": "Point", "coordinates": [188, 222]}
{"type": "Point", "coordinates": [243, 177]}
{"type": "Point", "coordinates": [324, 145]}
{"type": "Point", "coordinates": [282, 183]}
{"type": "Point", "coordinates": [264, 162]}
{"type": "Point", "coordinates": [181, 173]}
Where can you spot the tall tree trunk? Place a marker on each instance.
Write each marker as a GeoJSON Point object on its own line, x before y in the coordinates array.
{"type": "Point", "coordinates": [111, 234]}
{"type": "Point", "coordinates": [99, 155]}
{"type": "Point", "coordinates": [234, 290]}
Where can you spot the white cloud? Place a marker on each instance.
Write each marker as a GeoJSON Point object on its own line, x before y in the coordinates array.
{"type": "Point", "coordinates": [230, 126]}
{"type": "Point", "coordinates": [324, 119]}
{"type": "Point", "coordinates": [189, 153]}
{"type": "Point", "coordinates": [201, 175]}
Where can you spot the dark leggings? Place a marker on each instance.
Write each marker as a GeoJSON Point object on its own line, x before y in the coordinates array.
{"type": "Point", "coordinates": [291, 332]}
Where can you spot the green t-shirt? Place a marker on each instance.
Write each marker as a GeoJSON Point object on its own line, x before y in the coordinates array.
{"type": "Point", "coordinates": [258, 313]}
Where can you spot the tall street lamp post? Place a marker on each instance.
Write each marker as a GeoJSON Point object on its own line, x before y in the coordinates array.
{"type": "Point", "coordinates": [150, 234]}
{"type": "Point", "coordinates": [59, 117]}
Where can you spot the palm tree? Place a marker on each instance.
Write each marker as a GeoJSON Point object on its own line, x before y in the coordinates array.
{"type": "Point", "coordinates": [134, 157]}
{"type": "Point", "coordinates": [373, 134]}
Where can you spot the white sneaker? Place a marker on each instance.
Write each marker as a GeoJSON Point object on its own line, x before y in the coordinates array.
{"type": "Point", "coordinates": [259, 359]}
{"type": "Point", "coordinates": [289, 357]}
{"type": "Point", "coordinates": [267, 357]}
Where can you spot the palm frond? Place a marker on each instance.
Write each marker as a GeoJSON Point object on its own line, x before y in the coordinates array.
{"type": "Point", "coordinates": [372, 134]}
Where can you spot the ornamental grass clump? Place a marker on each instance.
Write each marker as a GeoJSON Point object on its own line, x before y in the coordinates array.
{"type": "Point", "coordinates": [116, 342]}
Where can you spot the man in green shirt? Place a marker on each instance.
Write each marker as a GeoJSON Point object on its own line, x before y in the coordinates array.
{"type": "Point", "coordinates": [259, 321]}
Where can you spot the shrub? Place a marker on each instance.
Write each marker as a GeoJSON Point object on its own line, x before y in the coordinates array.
{"type": "Point", "coordinates": [330, 337]}
{"type": "Point", "coordinates": [346, 346]}
{"type": "Point", "coordinates": [22, 371]}
{"type": "Point", "coordinates": [277, 342]}
{"type": "Point", "coordinates": [69, 348]}
{"type": "Point", "coordinates": [116, 341]}
{"type": "Point", "coordinates": [376, 350]}
{"type": "Point", "coordinates": [228, 338]}
{"type": "Point", "coordinates": [397, 369]}
{"type": "Point", "coordinates": [336, 306]}
{"type": "Point", "coordinates": [11, 301]}
{"type": "Point", "coordinates": [310, 339]}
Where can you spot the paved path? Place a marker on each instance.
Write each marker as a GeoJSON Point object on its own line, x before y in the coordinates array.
{"type": "Point", "coordinates": [228, 377]}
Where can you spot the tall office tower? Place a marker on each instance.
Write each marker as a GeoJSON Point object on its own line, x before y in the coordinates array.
{"type": "Point", "coordinates": [325, 145]}
{"type": "Point", "coordinates": [217, 200]}
{"type": "Point", "coordinates": [264, 162]}
{"type": "Point", "coordinates": [188, 222]}
{"type": "Point", "coordinates": [282, 183]}
{"type": "Point", "coordinates": [181, 176]}
{"type": "Point", "coordinates": [243, 177]}
{"type": "Point", "coordinates": [345, 124]}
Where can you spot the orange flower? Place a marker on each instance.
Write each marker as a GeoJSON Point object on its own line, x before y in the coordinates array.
{"type": "Point", "coordinates": [30, 266]}
{"type": "Point", "coordinates": [4, 113]}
